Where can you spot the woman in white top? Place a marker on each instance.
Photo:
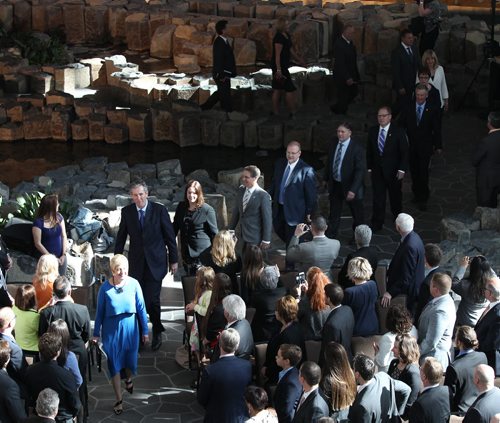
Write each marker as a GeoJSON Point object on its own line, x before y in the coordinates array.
{"type": "Point", "coordinates": [438, 80]}
{"type": "Point", "coordinates": [257, 401]}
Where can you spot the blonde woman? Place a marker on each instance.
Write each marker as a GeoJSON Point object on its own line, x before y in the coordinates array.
{"type": "Point", "coordinates": [43, 280]}
{"type": "Point", "coordinates": [438, 79]}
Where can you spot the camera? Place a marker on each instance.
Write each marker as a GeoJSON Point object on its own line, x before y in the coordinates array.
{"type": "Point", "coordinates": [300, 279]}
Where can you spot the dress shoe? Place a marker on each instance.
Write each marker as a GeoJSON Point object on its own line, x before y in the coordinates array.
{"type": "Point", "coordinates": [156, 344]}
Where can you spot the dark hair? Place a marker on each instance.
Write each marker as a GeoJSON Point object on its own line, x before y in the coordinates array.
{"type": "Point", "coordinates": [319, 223]}
{"type": "Point", "coordinates": [365, 366]}
{"type": "Point", "coordinates": [335, 293]}
{"type": "Point", "coordinates": [398, 319]}
{"type": "Point", "coordinates": [292, 353]}
{"type": "Point", "coordinates": [408, 348]}
{"type": "Point", "coordinates": [388, 108]}
{"type": "Point", "coordinates": [199, 192]}
{"type": "Point", "coordinates": [433, 254]}
{"type": "Point", "coordinates": [311, 372]}
{"type": "Point", "coordinates": [478, 270]}
{"type": "Point", "coordinates": [61, 287]}
{"type": "Point", "coordinates": [26, 298]}
{"type": "Point", "coordinates": [256, 397]}
{"type": "Point", "coordinates": [49, 345]}
{"type": "Point", "coordinates": [48, 208]}
{"type": "Point", "coordinates": [253, 262]}
{"type": "Point", "coordinates": [346, 125]}
{"type": "Point", "coordinates": [494, 119]}
{"type": "Point", "coordinates": [421, 87]}
{"type": "Point", "coordinates": [253, 170]}
{"type": "Point", "coordinates": [404, 32]}
{"type": "Point", "coordinates": [423, 71]}
{"type": "Point", "coordinates": [59, 327]}
{"type": "Point", "coordinates": [221, 289]}
{"type": "Point", "coordinates": [287, 308]}
{"type": "Point", "coordinates": [220, 26]}
{"type": "Point", "coordinates": [467, 337]}
{"type": "Point", "coordinates": [4, 353]}
{"type": "Point", "coordinates": [138, 183]}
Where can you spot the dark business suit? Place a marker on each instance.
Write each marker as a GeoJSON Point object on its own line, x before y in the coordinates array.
{"type": "Point", "coordinates": [424, 294]}
{"type": "Point", "coordinates": [383, 399]}
{"type": "Point", "coordinates": [460, 379]}
{"type": "Point", "coordinates": [432, 406]}
{"type": "Point", "coordinates": [11, 404]}
{"type": "Point", "coordinates": [37, 419]}
{"type": "Point", "coordinates": [245, 347]}
{"type": "Point", "coordinates": [411, 376]}
{"type": "Point", "coordinates": [17, 365]}
{"type": "Point", "coordinates": [312, 409]}
{"type": "Point", "coordinates": [147, 254]}
{"type": "Point", "coordinates": [299, 199]}
{"type": "Point", "coordinates": [224, 67]}
{"type": "Point", "coordinates": [433, 96]}
{"type": "Point", "coordinates": [264, 324]}
{"type": "Point", "coordinates": [404, 72]}
{"type": "Point", "coordinates": [345, 67]}
{"type": "Point", "coordinates": [484, 408]}
{"type": "Point", "coordinates": [424, 138]}
{"type": "Point", "coordinates": [256, 221]}
{"type": "Point", "coordinates": [369, 253]}
{"type": "Point", "coordinates": [338, 328]}
{"type": "Point", "coordinates": [407, 269]}
{"type": "Point", "coordinates": [221, 390]}
{"type": "Point", "coordinates": [352, 172]}
{"type": "Point", "coordinates": [486, 160]}
{"type": "Point", "coordinates": [286, 395]}
{"type": "Point", "coordinates": [488, 335]}
{"type": "Point", "coordinates": [384, 168]}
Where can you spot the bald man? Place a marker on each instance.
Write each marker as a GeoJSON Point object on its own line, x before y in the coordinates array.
{"type": "Point", "coordinates": [487, 404]}
{"type": "Point", "coordinates": [17, 364]}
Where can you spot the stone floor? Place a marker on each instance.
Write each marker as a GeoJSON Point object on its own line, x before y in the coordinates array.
{"type": "Point", "coordinates": [162, 388]}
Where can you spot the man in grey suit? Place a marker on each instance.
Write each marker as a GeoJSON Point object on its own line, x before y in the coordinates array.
{"type": "Point", "coordinates": [435, 327]}
{"type": "Point", "coordinates": [486, 405]}
{"type": "Point", "coordinates": [320, 252]}
{"type": "Point", "coordinates": [253, 210]}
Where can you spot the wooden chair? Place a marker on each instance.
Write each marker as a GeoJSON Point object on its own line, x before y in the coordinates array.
{"type": "Point", "coordinates": [313, 349]}
{"type": "Point", "coordinates": [364, 345]}
{"type": "Point", "coordinates": [288, 280]}
{"type": "Point", "coordinates": [188, 284]}
{"type": "Point", "coordinates": [250, 314]}
{"type": "Point", "coordinates": [260, 359]}
{"type": "Point", "coordinates": [380, 278]}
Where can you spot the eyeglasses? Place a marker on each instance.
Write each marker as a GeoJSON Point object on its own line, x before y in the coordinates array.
{"type": "Point", "coordinates": [387, 114]}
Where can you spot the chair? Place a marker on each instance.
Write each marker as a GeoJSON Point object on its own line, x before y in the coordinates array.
{"type": "Point", "coordinates": [288, 280]}
{"type": "Point", "coordinates": [313, 349]}
{"type": "Point", "coordinates": [260, 359]}
{"type": "Point", "coordinates": [188, 284]}
{"type": "Point", "coordinates": [250, 314]}
{"type": "Point", "coordinates": [362, 345]}
{"type": "Point", "coordinates": [334, 273]}
{"type": "Point", "coordinates": [84, 295]}
{"type": "Point", "coordinates": [201, 362]}
{"type": "Point", "coordinates": [380, 278]}
{"type": "Point", "coordinates": [382, 316]}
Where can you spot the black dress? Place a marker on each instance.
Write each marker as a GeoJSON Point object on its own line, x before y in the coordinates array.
{"type": "Point", "coordinates": [285, 82]}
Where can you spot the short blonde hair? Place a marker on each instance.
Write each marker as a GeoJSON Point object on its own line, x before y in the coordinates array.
{"type": "Point", "coordinates": [118, 260]}
{"type": "Point", "coordinates": [426, 55]}
{"type": "Point", "coordinates": [47, 269]}
{"type": "Point", "coordinates": [359, 269]}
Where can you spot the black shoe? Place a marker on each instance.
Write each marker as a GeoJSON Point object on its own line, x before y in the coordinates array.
{"type": "Point", "coordinates": [156, 344]}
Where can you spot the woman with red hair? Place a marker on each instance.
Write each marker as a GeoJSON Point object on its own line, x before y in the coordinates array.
{"type": "Point", "coordinates": [313, 308]}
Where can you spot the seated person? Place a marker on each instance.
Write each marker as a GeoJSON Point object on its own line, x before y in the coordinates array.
{"type": "Point", "coordinates": [27, 319]}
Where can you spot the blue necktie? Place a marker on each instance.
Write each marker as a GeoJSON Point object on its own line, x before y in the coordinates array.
{"type": "Point", "coordinates": [419, 113]}
{"type": "Point", "coordinates": [381, 141]}
{"type": "Point", "coordinates": [336, 163]}
{"type": "Point", "coordinates": [141, 217]}
{"type": "Point", "coordinates": [281, 198]}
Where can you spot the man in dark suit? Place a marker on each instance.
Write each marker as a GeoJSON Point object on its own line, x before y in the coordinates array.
{"type": "Point", "coordinates": [150, 230]}
{"type": "Point", "coordinates": [487, 163]}
{"type": "Point", "coordinates": [387, 163]}
{"type": "Point", "coordinates": [320, 252]}
{"type": "Point", "coordinates": [345, 71]}
{"type": "Point", "coordinates": [288, 389]}
{"type": "Point", "coordinates": [48, 374]}
{"type": "Point", "coordinates": [293, 190]}
{"type": "Point", "coordinates": [223, 69]}
{"type": "Point", "coordinates": [487, 404]}
{"type": "Point", "coordinates": [433, 403]}
{"type": "Point", "coordinates": [488, 326]}
{"type": "Point", "coordinates": [311, 405]}
{"type": "Point", "coordinates": [407, 268]}
{"type": "Point", "coordinates": [339, 325]}
{"type": "Point", "coordinates": [344, 173]}
{"type": "Point", "coordinates": [362, 238]}
{"type": "Point", "coordinates": [404, 63]}
{"type": "Point", "coordinates": [47, 405]}
{"type": "Point", "coordinates": [223, 383]}
{"type": "Point", "coordinates": [17, 365]}
{"type": "Point", "coordinates": [422, 123]}
{"type": "Point", "coordinates": [433, 256]}
{"type": "Point", "coordinates": [11, 405]}
{"type": "Point", "coordinates": [252, 210]}
{"type": "Point", "coordinates": [380, 398]}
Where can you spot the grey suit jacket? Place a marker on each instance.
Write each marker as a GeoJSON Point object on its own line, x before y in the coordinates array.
{"type": "Point", "coordinates": [320, 252]}
{"type": "Point", "coordinates": [435, 329]}
{"type": "Point", "coordinates": [256, 221]}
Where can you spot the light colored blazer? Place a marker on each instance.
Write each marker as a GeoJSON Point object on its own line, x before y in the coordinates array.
{"type": "Point", "coordinates": [320, 252]}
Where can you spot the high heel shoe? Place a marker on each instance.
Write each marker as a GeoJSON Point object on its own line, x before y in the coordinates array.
{"type": "Point", "coordinates": [118, 407]}
{"type": "Point", "coordinates": [129, 386]}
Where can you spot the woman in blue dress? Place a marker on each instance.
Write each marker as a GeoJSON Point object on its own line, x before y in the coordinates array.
{"type": "Point", "coordinates": [120, 310]}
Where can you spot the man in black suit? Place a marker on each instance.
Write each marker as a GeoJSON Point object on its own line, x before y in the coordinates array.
{"type": "Point", "coordinates": [487, 163]}
{"type": "Point", "coordinates": [311, 405]}
{"type": "Point", "coordinates": [48, 374]}
{"type": "Point", "coordinates": [433, 403]}
{"type": "Point", "coordinates": [487, 404]}
{"type": "Point", "coordinates": [433, 256]}
{"type": "Point", "coordinates": [422, 123]}
{"type": "Point", "coordinates": [345, 72]}
{"type": "Point", "coordinates": [387, 163]}
{"type": "Point", "coordinates": [380, 398]}
{"type": "Point", "coordinates": [152, 240]}
{"type": "Point", "coordinates": [223, 383]}
{"type": "Point", "coordinates": [288, 389]}
{"type": "Point", "coordinates": [404, 63]}
{"type": "Point", "coordinates": [11, 405]}
{"type": "Point", "coordinates": [339, 325]}
{"type": "Point", "coordinates": [362, 238]}
{"type": "Point", "coordinates": [223, 69]}
{"type": "Point", "coordinates": [46, 408]}
{"type": "Point", "coordinates": [344, 173]}
{"type": "Point", "coordinates": [17, 365]}
{"type": "Point", "coordinates": [488, 326]}
{"type": "Point", "coordinates": [407, 268]}
{"type": "Point", "coordinates": [293, 190]}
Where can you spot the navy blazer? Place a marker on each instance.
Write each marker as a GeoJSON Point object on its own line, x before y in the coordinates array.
{"type": "Point", "coordinates": [488, 335]}
{"type": "Point", "coordinates": [369, 253]}
{"type": "Point", "coordinates": [300, 191]}
{"type": "Point", "coordinates": [432, 406]}
{"type": "Point", "coordinates": [11, 404]}
{"type": "Point", "coordinates": [312, 409]}
{"type": "Point", "coordinates": [224, 65]}
{"type": "Point", "coordinates": [222, 388]}
{"type": "Point", "coordinates": [147, 245]}
{"type": "Point", "coordinates": [17, 365]}
{"type": "Point", "coordinates": [404, 68]}
{"type": "Point", "coordinates": [338, 327]}
{"type": "Point", "coordinates": [287, 394]}
{"type": "Point", "coordinates": [484, 408]}
{"type": "Point", "coordinates": [246, 346]}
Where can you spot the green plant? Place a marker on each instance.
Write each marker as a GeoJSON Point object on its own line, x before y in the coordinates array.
{"type": "Point", "coordinates": [4, 220]}
{"type": "Point", "coordinates": [67, 209]}
{"type": "Point", "coordinates": [28, 205]}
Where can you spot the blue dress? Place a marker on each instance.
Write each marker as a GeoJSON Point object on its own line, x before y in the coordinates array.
{"type": "Point", "coordinates": [51, 237]}
{"type": "Point", "coordinates": [118, 312]}
{"type": "Point", "coordinates": [362, 299]}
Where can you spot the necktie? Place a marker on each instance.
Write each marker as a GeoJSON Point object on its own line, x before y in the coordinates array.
{"type": "Point", "coordinates": [281, 198]}
{"type": "Point", "coordinates": [484, 313]}
{"type": "Point", "coordinates": [301, 401]}
{"type": "Point", "coordinates": [419, 113]}
{"type": "Point", "coordinates": [381, 141]}
{"type": "Point", "coordinates": [246, 198]}
{"type": "Point", "coordinates": [408, 50]}
{"type": "Point", "coordinates": [141, 217]}
{"type": "Point", "coordinates": [336, 163]}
